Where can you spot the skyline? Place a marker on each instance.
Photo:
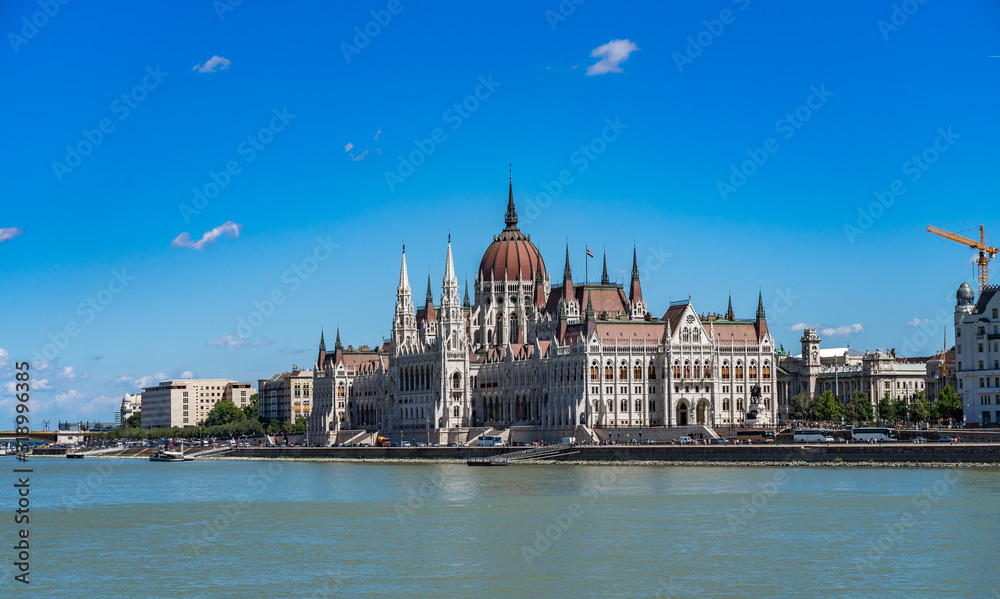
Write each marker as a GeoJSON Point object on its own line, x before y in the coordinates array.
{"type": "Point", "coordinates": [226, 162]}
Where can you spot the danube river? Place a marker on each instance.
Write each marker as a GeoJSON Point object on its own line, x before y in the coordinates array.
{"type": "Point", "coordinates": [132, 528]}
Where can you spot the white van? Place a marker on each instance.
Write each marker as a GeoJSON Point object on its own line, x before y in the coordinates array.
{"type": "Point", "coordinates": [568, 440]}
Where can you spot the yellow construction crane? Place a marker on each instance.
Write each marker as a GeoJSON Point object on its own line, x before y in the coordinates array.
{"type": "Point", "coordinates": [985, 252]}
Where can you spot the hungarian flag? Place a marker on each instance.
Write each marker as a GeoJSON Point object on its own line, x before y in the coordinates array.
{"type": "Point", "coordinates": [589, 253]}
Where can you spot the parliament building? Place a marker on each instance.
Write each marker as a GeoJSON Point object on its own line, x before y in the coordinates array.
{"type": "Point", "coordinates": [527, 350]}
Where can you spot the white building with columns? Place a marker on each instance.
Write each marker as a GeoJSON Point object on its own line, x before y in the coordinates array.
{"type": "Point", "coordinates": [525, 351]}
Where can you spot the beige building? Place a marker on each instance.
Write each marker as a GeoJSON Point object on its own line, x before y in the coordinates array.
{"type": "Point", "coordinates": [286, 396]}
{"type": "Point", "coordinates": [130, 405]}
{"type": "Point", "coordinates": [187, 402]}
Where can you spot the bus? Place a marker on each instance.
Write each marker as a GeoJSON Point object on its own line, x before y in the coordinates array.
{"type": "Point", "coordinates": [490, 441]}
{"type": "Point", "coordinates": [812, 435]}
{"type": "Point", "coordinates": [755, 436]}
{"type": "Point", "coordinates": [876, 434]}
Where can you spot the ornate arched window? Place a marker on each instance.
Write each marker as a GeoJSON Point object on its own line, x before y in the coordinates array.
{"type": "Point", "coordinates": [725, 404]}
{"type": "Point", "coordinates": [767, 370]}
{"type": "Point", "coordinates": [708, 369]}
{"type": "Point", "coordinates": [623, 371]}
{"type": "Point", "coordinates": [753, 369]}
{"type": "Point", "coordinates": [677, 369]}
{"type": "Point", "coordinates": [609, 371]}
{"type": "Point", "coordinates": [340, 390]}
{"type": "Point", "coordinates": [725, 369]}
{"type": "Point", "coordinates": [637, 371]}
{"type": "Point", "coordinates": [697, 370]}
{"type": "Point", "coordinates": [687, 369]}
{"type": "Point", "coordinates": [456, 381]}
{"type": "Point", "coordinates": [739, 369]}
{"type": "Point", "coordinates": [652, 371]}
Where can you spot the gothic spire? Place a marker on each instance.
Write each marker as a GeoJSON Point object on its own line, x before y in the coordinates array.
{"type": "Point", "coordinates": [430, 295]}
{"type": "Point", "coordinates": [590, 308]}
{"type": "Point", "coordinates": [449, 295]}
{"type": "Point", "coordinates": [567, 273]}
{"type": "Point", "coordinates": [511, 218]}
{"type": "Point", "coordinates": [337, 345]}
{"type": "Point", "coordinates": [322, 342]}
{"type": "Point", "coordinates": [635, 290]}
{"type": "Point", "coordinates": [466, 302]}
{"type": "Point", "coordinates": [760, 306]}
{"type": "Point", "coordinates": [404, 277]}
{"type": "Point", "coordinates": [729, 312]}
{"type": "Point", "coordinates": [604, 275]}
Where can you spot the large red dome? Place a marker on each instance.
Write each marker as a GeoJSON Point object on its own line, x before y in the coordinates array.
{"type": "Point", "coordinates": [511, 256]}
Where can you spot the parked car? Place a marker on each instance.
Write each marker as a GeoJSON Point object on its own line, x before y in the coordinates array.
{"type": "Point", "coordinates": [946, 439]}
{"type": "Point", "coordinates": [719, 441]}
{"type": "Point", "coordinates": [685, 440]}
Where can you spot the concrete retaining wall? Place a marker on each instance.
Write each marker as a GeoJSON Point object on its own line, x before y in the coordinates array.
{"type": "Point", "coordinates": [973, 453]}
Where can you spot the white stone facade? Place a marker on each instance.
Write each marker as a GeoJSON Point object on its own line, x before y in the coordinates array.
{"type": "Point", "coordinates": [977, 354]}
{"type": "Point", "coordinates": [526, 352]}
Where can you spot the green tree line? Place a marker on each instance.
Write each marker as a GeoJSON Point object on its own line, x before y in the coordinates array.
{"type": "Point", "coordinates": [828, 408]}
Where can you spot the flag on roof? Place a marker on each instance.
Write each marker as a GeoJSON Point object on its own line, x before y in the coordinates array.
{"type": "Point", "coordinates": [590, 253]}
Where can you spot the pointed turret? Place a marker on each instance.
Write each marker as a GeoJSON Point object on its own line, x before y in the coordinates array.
{"type": "Point", "coordinates": [449, 287]}
{"type": "Point", "coordinates": [761, 324]}
{"type": "Point", "coordinates": [404, 325]}
{"type": "Point", "coordinates": [539, 299]}
{"type": "Point", "coordinates": [429, 315]}
{"type": "Point", "coordinates": [567, 279]}
{"type": "Point", "coordinates": [430, 294]}
{"type": "Point", "coordinates": [465, 302]}
{"type": "Point", "coordinates": [604, 275]}
{"type": "Point", "coordinates": [337, 344]}
{"type": "Point", "coordinates": [635, 291]}
{"type": "Point", "coordinates": [321, 358]}
{"type": "Point", "coordinates": [729, 312]}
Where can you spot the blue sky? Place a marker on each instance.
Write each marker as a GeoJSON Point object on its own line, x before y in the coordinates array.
{"type": "Point", "coordinates": [832, 100]}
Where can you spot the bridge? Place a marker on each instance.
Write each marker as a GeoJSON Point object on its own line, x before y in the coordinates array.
{"type": "Point", "coordinates": [49, 436]}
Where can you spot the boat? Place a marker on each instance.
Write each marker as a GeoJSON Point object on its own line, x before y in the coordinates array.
{"type": "Point", "coordinates": [164, 455]}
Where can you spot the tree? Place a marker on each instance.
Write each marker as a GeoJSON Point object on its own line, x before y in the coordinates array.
{"type": "Point", "coordinates": [828, 407]}
{"type": "Point", "coordinates": [948, 405]}
{"type": "Point", "coordinates": [300, 424]}
{"type": "Point", "coordinates": [134, 421]}
{"type": "Point", "coordinates": [251, 411]}
{"type": "Point", "coordinates": [224, 412]}
{"type": "Point", "coordinates": [859, 409]}
{"type": "Point", "coordinates": [803, 407]}
{"type": "Point", "coordinates": [892, 410]}
{"type": "Point", "coordinates": [920, 409]}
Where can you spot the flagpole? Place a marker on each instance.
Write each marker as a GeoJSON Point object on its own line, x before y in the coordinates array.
{"type": "Point", "coordinates": [586, 264]}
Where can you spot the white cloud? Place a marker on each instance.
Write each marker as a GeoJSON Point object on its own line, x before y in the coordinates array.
{"type": "Point", "coordinates": [138, 383]}
{"type": "Point", "coordinates": [8, 233]}
{"type": "Point", "coordinates": [69, 374]}
{"type": "Point", "coordinates": [227, 229]}
{"type": "Point", "coordinates": [801, 326]}
{"type": "Point", "coordinates": [973, 258]}
{"type": "Point", "coordinates": [611, 55]}
{"type": "Point", "coordinates": [4, 358]}
{"type": "Point", "coordinates": [360, 156]}
{"type": "Point", "coordinates": [187, 374]}
{"type": "Point", "coordinates": [43, 365]}
{"type": "Point", "coordinates": [916, 322]}
{"type": "Point", "coordinates": [229, 340]}
{"type": "Point", "coordinates": [348, 147]}
{"type": "Point", "coordinates": [843, 331]}
{"type": "Point", "coordinates": [289, 350]}
{"type": "Point", "coordinates": [377, 133]}
{"type": "Point", "coordinates": [216, 63]}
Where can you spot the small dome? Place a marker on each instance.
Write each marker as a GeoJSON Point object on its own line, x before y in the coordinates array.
{"type": "Point", "coordinates": [965, 295]}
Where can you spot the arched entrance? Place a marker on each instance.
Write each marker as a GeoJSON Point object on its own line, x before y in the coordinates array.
{"type": "Point", "coordinates": [702, 412]}
{"type": "Point", "coordinates": [682, 415]}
